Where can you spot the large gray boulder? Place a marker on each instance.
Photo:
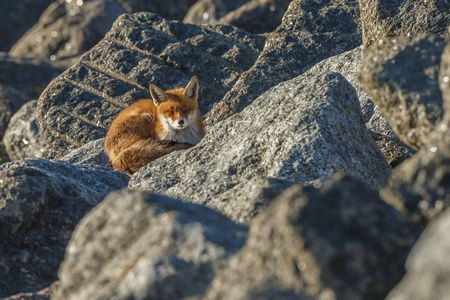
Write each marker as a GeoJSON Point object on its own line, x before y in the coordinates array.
{"type": "Point", "coordinates": [428, 268]}
{"type": "Point", "coordinates": [383, 18]}
{"type": "Point", "coordinates": [401, 75]}
{"type": "Point", "coordinates": [41, 201]}
{"type": "Point", "coordinates": [10, 101]}
{"type": "Point", "coordinates": [420, 187]}
{"type": "Point", "coordinates": [310, 32]}
{"type": "Point", "coordinates": [169, 9]}
{"type": "Point", "coordinates": [140, 49]}
{"type": "Point", "coordinates": [21, 80]}
{"type": "Point", "coordinates": [16, 17]}
{"type": "Point", "coordinates": [302, 130]}
{"type": "Point", "coordinates": [67, 29]}
{"type": "Point", "coordinates": [143, 246]}
{"type": "Point", "coordinates": [210, 11]}
{"type": "Point", "coordinates": [340, 241]}
{"type": "Point", "coordinates": [93, 153]}
{"type": "Point", "coordinates": [348, 64]}
{"type": "Point", "coordinates": [22, 138]}
{"type": "Point", "coordinates": [256, 16]}
{"type": "Point", "coordinates": [29, 76]}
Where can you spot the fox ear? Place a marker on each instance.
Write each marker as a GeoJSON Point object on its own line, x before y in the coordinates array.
{"type": "Point", "coordinates": [158, 95]}
{"type": "Point", "coordinates": [191, 89]}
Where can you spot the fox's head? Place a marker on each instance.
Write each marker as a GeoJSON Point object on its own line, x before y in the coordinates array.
{"type": "Point", "coordinates": [177, 108]}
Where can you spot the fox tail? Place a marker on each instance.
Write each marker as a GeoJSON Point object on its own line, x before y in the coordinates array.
{"type": "Point", "coordinates": [143, 152]}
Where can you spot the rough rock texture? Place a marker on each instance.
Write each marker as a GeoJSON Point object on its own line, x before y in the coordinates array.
{"type": "Point", "coordinates": [41, 201]}
{"type": "Point", "coordinates": [337, 242]}
{"type": "Point", "coordinates": [257, 16]}
{"type": "Point", "coordinates": [10, 101]}
{"type": "Point", "coordinates": [16, 17]}
{"type": "Point", "coordinates": [303, 130]}
{"type": "Point", "coordinates": [44, 294]}
{"type": "Point", "coordinates": [210, 11]}
{"type": "Point", "coordinates": [169, 9]}
{"type": "Point", "coordinates": [381, 18]}
{"type": "Point", "coordinates": [20, 81]}
{"type": "Point", "coordinates": [22, 138]}
{"type": "Point", "coordinates": [310, 32]}
{"type": "Point", "coordinates": [348, 64]}
{"type": "Point", "coordinates": [140, 49]}
{"type": "Point", "coordinates": [68, 28]}
{"type": "Point", "coordinates": [420, 187]}
{"type": "Point", "coordinates": [428, 269]}
{"type": "Point", "coordinates": [29, 76]}
{"type": "Point", "coordinates": [406, 93]}
{"type": "Point", "coordinates": [174, 249]}
{"type": "Point", "coordinates": [93, 153]}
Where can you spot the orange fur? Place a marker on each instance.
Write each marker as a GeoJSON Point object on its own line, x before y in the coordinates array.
{"type": "Point", "coordinates": [150, 128]}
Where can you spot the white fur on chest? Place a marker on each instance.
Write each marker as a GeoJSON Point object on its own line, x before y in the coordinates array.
{"type": "Point", "coordinates": [191, 134]}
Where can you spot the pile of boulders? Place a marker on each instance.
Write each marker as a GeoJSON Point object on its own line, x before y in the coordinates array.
{"type": "Point", "coordinates": [326, 154]}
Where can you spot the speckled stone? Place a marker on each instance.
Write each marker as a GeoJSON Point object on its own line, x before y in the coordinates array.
{"type": "Point", "coordinates": [428, 269]}
{"type": "Point", "coordinates": [401, 76]}
{"type": "Point", "coordinates": [384, 18]}
{"type": "Point", "coordinates": [302, 130]}
{"type": "Point", "coordinates": [339, 241]}
{"type": "Point", "coordinates": [310, 32]}
{"type": "Point", "coordinates": [41, 201]}
{"type": "Point", "coordinates": [141, 48]}
{"type": "Point", "coordinates": [22, 138]}
{"type": "Point", "coordinates": [143, 246]}
{"type": "Point", "coordinates": [420, 186]}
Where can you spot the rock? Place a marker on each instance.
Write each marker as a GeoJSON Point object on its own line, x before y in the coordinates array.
{"type": "Point", "coordinates": [68, 28]}
{"type": "Point", "coordinates": [143, 246]}
{"type": "Point", "coordinates": [407, 94]}
{"type": "Point", "coordinates": [257, 16]}
{"type": "Point", "coordinates": [140, 49]}
{"type": "Point", "coordinates": [349, 64]}
{"type": "Point", "coordinates": [382, 18]}
{"type": "Point", "coordinates": [302, 130]}
{"type": "Point", "coordinates": [93, 153]}
{"type": "Point", "coordinates": [310, 32]}
{"type": "Point", "coordinates": [169, 9]}
{"type": "Point", "coordinates": [420, 187]}
{"type": "Point", "coordinates": [210, 11]}
{"type": "Point", "coordinates": [44, 294]}
{"type": "Point", "coordinates": [10, 101]}
{"type": "Point", "coordinates": [41, 201]}
{"type": "Point", "coordinates": [29, 76]}
{"type": "Point", "coordinates": [22, 138]}
{"type": "Point", "coordinates": [427, 266]}
{"type": "Point", "coordinates": [337, 242]}
{"type": "Point", "coordinates": [16, 17]}
{"type": "Point", "coordinates": [20, 81]}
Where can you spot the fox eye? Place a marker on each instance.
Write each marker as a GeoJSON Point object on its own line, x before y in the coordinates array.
{"type": "Point", "coordinates": [187, 110]}
{"type": "Point", "coordinates": [170, 112]}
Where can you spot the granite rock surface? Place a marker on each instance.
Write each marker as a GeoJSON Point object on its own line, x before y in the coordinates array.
{"type": "Point", "coordinates": [302, 130]}
{"type": "Point", "coordinates": [140, 49]}
{"type": "Point", "coordinates": [174, 248]}
{"type": "Point", "coordinates": [310, 32]}
{"type": "Point", "coordinates": [41, 202]}
{"type": "Point", "coordinates": [339, 241]}
{"type": "Point", "coordinates": [403, 18]}
{"type": "Point", "coordinates": [22, 138]}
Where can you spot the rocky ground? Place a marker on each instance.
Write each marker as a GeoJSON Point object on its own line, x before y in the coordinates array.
{"type": "Point", "coordinates": [324, 172]}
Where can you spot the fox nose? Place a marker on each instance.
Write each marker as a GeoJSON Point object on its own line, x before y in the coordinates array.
{"type": "Point", "coordinates": [181, 122]}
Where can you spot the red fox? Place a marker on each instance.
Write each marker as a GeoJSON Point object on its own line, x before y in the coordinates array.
{"type": "Point", "coordinates": [150, 128]}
